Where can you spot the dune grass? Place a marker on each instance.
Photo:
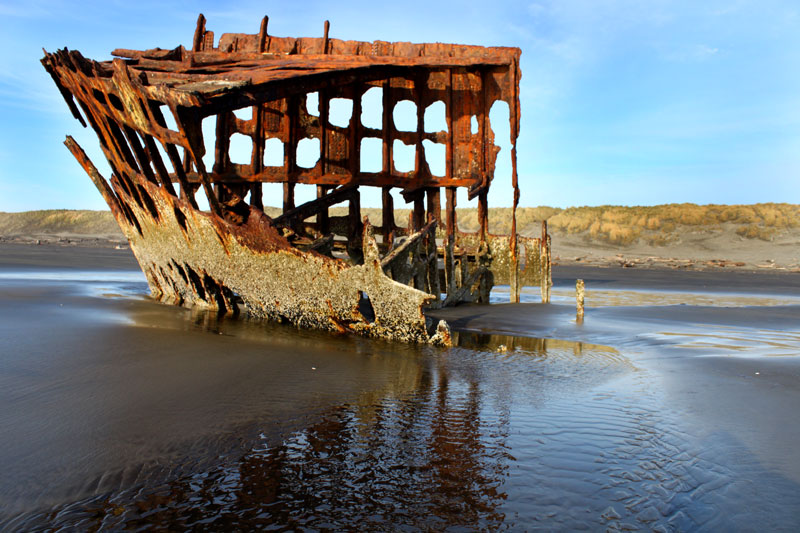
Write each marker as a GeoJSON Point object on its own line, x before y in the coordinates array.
{"type": "Point", "coordinates": [58, 221]}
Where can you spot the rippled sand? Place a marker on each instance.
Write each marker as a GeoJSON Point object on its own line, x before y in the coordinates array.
{"type": "Point", "coordinates": [125, 413]}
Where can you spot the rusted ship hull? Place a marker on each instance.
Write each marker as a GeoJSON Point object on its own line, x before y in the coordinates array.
{"type": "Point", "coordinates": [304, 266]}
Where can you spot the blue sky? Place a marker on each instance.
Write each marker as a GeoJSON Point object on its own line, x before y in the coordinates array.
{"type": "Point", "coordinates": [623, 102]}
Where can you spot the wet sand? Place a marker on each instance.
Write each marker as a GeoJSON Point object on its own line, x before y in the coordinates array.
{"type": "Point", "coordinates": [121, 412]}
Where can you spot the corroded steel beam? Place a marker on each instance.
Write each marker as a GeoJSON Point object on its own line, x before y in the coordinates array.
{"type": "Point", "coordinates": [150, 109]}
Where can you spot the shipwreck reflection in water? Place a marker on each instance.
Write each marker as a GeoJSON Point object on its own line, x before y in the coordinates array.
{"type": "Point", "coordinates": [427, 449]}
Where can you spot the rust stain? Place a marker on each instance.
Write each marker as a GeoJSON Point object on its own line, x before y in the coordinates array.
{"type": "Point", "coordinates": [147, 108]}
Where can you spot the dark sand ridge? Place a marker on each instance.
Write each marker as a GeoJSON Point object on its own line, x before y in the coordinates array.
{"type": "Point", "coordinates": [741, 410]}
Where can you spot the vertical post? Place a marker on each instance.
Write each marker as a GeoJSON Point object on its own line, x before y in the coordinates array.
{"type": "Point", "coordinates": [483, 214]}
{"type": "Point", "coordinates": [355, 132]}
{"type": "Point", "coordinates": [450, 211]}
{"type": "Point", "coordinates": [324, 112]}
{"type": "Point", "coordinates": [323, 221]}
{"type": "Point", "coordinates": [514, 133]}
{"type": "Point", "coordinates": [388, 126]}
{"type": "Point", "coordinates": [451, 228]}
{"type": "Point", "coordinates": [290, 153]}
{"type": "Point", "coordinates": [263, 35]}
{"type": "Point", "coordinates": [434, 204]}
{"type": "Point", "coordinates": [483, 202]}
{"type": "Point", "coordinates": [580, 292]}
{"type": "Point", "coordinates": [354, 136]}
{"type": "Point", "coordinates": [419, 161]}
{"type": "Point", "coordinates": [388, 217]}
{"type": "Point", "coordinates": [419, 210]}
{"type": "Point", "coordinates": [221, 149]}
{"type": "Point", "coordinates": [199, 34]}
{"type": "Point", "coordinates": [257, 157]}
{"type": "Point", "coordinates": [354, 237]}
{"type": "Point", "coordinates": [545, 260]}
{"type": "Point", "coordinates": [259, 135]}
{"type": "Point", "coordinates": [449, 155]}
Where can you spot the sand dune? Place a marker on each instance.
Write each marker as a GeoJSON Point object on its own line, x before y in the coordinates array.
{"type": "Point", "coordinates": [759, 236]}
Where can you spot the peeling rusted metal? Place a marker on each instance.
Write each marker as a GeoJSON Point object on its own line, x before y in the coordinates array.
{"type": "Point", "coordinates": [304, 266]}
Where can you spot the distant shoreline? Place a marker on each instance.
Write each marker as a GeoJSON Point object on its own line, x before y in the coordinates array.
{"type": "Point", "coordinates": [758, 237]}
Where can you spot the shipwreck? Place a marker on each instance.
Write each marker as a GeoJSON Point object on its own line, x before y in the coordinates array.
{"type": "Point", "coordinates": [304, 265]}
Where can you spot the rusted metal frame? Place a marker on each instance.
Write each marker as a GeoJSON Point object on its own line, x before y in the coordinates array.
{"type": "Point", "coordinates": [371, 179]}
{"type": "Point", "coordinates": [450, 192]}
{"type": "Point", "coordinates": [449, 157]}
{"type": "Point", "coordinates": [451, 228]}
{"type": "Point", "coordinates": [259, 135]}
{"type": "Point", "coordinates": [387, 213]}
{"type": "Point", "coordinates": [388, 127]}
{"type": "Point", "coordinates": [408, 137]}
{"type": "Point", "coordinates": [190, 125]}
{"type": "Point", "coordinates": [65, 94]}
{"type": "Point", "coordinates": [323, 216]}
{"type": "Point", "coordinates": [483, 210]}
{"type": "Point", "coordinates": [122, 147]}
{"type": "Point", "coordinates": [234, 66]}
{"type": "Point", "coordinates": [354, 131]}
{"type": "Point", "coordinates": [293, 87]}
{"type": "Point", "coordinates": [327, 28]}
{"type": "Point", "coordinates": [98, 180]}
{"type": "Point", "coordinates": [257, 69]}
{"type": "Point", "coordinates": [420, 163]}
{"type": "Point", "coordinates": [113, 140]}
{"type": "Point", "coordinates": [434, 215]}
{"type": "Point", "coordinates": [434, 204]}
{"type": "Point", "coordinates": [545, 262]}
{"type": "Point", "coordinates": [421, 264]}
{"type": "Point", "coordinates": [126, 166]}
{"type": "Point", "coordinates": [158, 163]}
{"type": "Point", "coordinates": [257, 155]}
{"type": "Point", "coordinates": [418, 222]}
{"type": "Point", "coordinates": [323, 245]}
{"type": "Point", "coordinates": [174, 157]}
{"type": "Point", "coordinates": [406, 245]}
{"type": "Point", "coordinates": [290, 151]}
{"type": "Point", "coordinates": [323, 221]}
{"type": "Point", "coordinates": [314, 207]}
{"type": "Point", "coordinates": [99, 123]}
{"type": "Point", "coordinates": [514, 252]}
{"type": "Point", "coordinates": [482, 183]}
{"type": "Point", "coordinates": [359, 49]}
{"type": "Point", "coordinates": [324, 112]}
{"type": "Point", "coordinates": [354, 242]}
{"type": "Point", "coordinates": [199, 34]}
{"type": "Point", "coordinates": [221, 151]}
{"type": "Point", "coordinates": [461, 293]}
{"type": "Point", "coordinates": [141, 157]}
{"type": "Point", "coordinates": [263, 35]}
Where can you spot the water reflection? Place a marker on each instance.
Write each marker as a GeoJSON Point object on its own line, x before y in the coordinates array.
{"type": "Point", "coordinates": [427, 448]}
{"type": "Point", "coordinates": [273, 427]}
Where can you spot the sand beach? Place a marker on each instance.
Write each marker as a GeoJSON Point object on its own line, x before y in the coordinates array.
{"type": "Point", "coordinates": [672, 407]}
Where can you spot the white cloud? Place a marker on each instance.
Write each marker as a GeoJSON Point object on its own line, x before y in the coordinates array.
{"type": "Point", "coordinates": [687, 53]}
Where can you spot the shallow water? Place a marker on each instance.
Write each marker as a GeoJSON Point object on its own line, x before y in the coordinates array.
{"type": "Point", "coordinates": [649, 297]}
{"type": "Point", "coordinates": [125, 413]}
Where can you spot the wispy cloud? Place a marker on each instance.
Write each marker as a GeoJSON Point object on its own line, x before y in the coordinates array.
{"type": "Point", "coordinates": [680, 52]}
